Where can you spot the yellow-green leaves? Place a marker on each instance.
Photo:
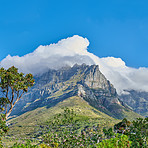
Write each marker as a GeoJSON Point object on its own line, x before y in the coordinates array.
{"type": "Point", "coordinates": [11, 78]}
{"type": "Point", "coordinates": [13, 85]}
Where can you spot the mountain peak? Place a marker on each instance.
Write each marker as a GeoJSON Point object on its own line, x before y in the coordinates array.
{"type": "Point", "coordinates": [83, 81]}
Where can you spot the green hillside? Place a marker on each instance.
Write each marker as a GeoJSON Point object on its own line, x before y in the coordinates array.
{"type": "Point", "coordinates": [30, 123]}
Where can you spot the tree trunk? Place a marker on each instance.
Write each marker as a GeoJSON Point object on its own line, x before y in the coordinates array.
{"type": "Point", "coordinates": [10, 110]}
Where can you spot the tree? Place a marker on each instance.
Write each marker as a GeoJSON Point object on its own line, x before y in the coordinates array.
{"type": "Point", "coordinates": [123, 126]}
{"type": "Point", "coordinates": [137, 131]}
{"type": "Point", "coordinates": [13, 85]}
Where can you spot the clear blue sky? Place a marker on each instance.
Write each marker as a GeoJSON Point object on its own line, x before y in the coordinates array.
{"type": "Point", "coordinates": [116, 28]}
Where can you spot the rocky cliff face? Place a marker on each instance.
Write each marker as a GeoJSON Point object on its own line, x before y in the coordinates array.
{"type": "Point", "coordinates": [138, 101]}
{"type": "Point", "coordinates": [84, 81]}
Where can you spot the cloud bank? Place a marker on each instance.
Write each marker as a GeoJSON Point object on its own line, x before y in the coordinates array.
{"type": "Point", "coordinates": [74, 50]}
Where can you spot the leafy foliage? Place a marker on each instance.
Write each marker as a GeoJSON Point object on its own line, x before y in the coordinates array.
{"type": "Point", "coordinates": [123, 126]}
{"type": "Point", "coordinates": [3, 127]}
{"type": "Point", "coordinates": [26, 145]}
{"type": "Point", "coordinates": [137, 131]}
{"type": "Point", "coordinates": [119, 141]}
{"type": "Point", "coordinates": [29, 145]}
{"type": "Point", "coordinates": [13, 85]}
{"type": "Point", "coordinates": [108, 133]}
{"type": "Point", "coordinates": [113, 139]}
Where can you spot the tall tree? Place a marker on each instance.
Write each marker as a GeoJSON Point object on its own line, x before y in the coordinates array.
{"type": "Point", "coordinates": [13, 85]}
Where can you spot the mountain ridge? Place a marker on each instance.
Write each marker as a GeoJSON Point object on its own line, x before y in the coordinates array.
{"type": "Point", "coordinates": [84, 81]}
{"type": "Point", "coordinates": [137, 100]}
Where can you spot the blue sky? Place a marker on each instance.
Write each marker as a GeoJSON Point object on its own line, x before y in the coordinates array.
{"type": "Point", "coordinates": [117, 28]}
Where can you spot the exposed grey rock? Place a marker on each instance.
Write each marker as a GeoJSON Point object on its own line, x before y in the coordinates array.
{"type": "Point", "coordinates": [138, 101]}
{"type": "Point", "coordinates": [84, 81]}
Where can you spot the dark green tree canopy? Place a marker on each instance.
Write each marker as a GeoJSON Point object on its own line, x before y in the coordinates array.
{"type": "Point", "coordinates": [13, 85]}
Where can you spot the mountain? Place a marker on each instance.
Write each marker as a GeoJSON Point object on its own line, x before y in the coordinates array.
{"type": "Point", "coordinates": [138, 101]}
{"type": "Point", "coordinates": [82, 81]}
{"type": "Point", "coordinates": [82, 88]}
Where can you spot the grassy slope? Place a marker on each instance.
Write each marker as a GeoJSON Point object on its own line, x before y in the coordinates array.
{"type": "Point", "coordinates": [31, 122]}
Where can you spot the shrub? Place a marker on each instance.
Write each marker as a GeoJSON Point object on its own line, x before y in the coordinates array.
{"type": "Point", "coordinates": [119, 141]}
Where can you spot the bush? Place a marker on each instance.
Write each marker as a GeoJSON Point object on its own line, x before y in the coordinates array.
{"type": "Point", "coordinates": [26, 145]}
{"type": "Point", "coordinates": [137, 131]}
{"type": "Point", "coordinates": [3, 127]}
{"type": "Point", "coordinates": [119, 141]}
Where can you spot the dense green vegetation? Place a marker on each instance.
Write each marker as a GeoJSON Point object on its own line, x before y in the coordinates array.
{"type": "Point", "coordinates": [64, 130]}
{"type": "Point", "coordinates": [3, 127]}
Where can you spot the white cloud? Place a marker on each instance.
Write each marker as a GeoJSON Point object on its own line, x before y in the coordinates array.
{"type": "Point", "coordinates": [74, 50]}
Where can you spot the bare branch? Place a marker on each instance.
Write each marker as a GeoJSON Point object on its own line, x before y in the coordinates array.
{"type": "Point", "coordinates": [18, 98]}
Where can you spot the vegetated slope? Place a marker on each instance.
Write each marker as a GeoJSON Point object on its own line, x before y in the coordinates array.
{"type": "Point", "coordinates": [84, 81]}
{"type": "Point", "coordinates": [32, 124]}
{"type": "Point", "coordinates": [138, 101]}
